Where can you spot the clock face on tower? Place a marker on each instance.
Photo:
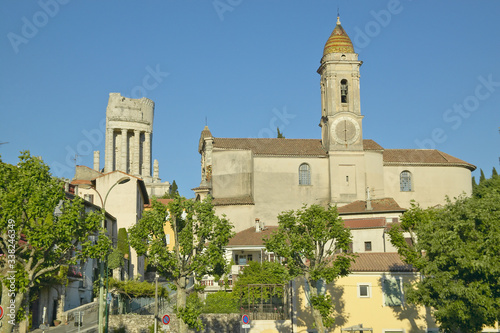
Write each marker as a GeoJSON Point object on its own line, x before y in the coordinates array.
{"type": "Point", "coordinates": [345, 130]}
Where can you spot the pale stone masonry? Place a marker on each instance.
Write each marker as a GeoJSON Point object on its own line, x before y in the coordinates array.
{"type": "Point", "coordinates": [129, 131]}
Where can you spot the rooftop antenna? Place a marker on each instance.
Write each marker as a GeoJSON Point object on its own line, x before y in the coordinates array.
{"type": "Point", "coordinates": [75, 158]}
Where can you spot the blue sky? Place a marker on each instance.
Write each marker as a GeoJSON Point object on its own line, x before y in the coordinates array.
{"type": "Point", "coordinates": [430, 78]}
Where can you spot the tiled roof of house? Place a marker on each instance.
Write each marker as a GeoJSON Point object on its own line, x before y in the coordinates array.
{"type": "Point", "coordinates": [283, 147]}
{"type": "Point", "coordinates": [378, 205]}
{"type": "Point", "coordinates": [380, 262]}
{"type": "Point", "coordinates": [375, 222]}
{"type": "Point", "coordinates": [245, 200]}
{"type": "Point", "coordinates": [163, 201]}
{"type": "Point", "coordinates": [422, 157]}
{"type": "Point", "coordinates": [249, 237]}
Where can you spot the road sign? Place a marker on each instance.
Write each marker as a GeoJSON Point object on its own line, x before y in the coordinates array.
{"type": "Point", "coordinates": [245, 319]}
{"type": "Point", "coordinates": [109, 298]}
{"type": "Point", "coordinates": [166, 319]}
{"type": "Point", "coordinates": [245, 325]}
{"type": "Point", "coordinates": [1, 312]}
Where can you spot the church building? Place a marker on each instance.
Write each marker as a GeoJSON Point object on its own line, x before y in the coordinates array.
{"type": "Point", "coordinates": [255, 179]}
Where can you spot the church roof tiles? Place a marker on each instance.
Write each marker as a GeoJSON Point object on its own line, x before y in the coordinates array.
{"type": "Point", "coordinates": [378, 205]}
{"type": "Point", "coordinates": [422, 157]}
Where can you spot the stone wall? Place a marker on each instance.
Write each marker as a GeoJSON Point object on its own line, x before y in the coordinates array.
{"type": "Point", "coordinates": [214, 323]}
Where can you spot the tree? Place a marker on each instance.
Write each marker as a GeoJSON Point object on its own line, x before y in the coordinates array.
{"type": "Point", "coordinates": [199, 238]}
{"type": "Point", "coordinates": [280, 134]}
{"type": "Point", "coordinates": [315, 245]}
{"type": "Point", "coordinates": [261, 283]}
{"type": "Point", "coordinates": [174, 192]}
{"type": "Point", "coordinates": [494, 172]}
{"type": "Point", "coordinates": [456, 249]}
{"type": "Point", "coordinates": [40, 230]}
{"type": "Point", "coordinates": [482, 176]}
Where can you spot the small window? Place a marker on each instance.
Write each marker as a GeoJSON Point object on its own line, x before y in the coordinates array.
{"type": "Point", "coordinates": [368, 246]}
{"type": "Point", "coordinates": [343, 91]}
{"type": "Point", "coordinates": [405, 181]}
{"type": "Point", "coordinates": [364, 290]}
{"type": "Point", "coordinates": [304, 174]}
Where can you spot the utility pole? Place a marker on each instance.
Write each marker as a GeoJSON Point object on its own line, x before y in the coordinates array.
{"type": "Point", "coordinates": [156, 302]}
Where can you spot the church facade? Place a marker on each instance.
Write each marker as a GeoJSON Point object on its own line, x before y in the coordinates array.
{"type": "Point", "coordinates": [254, 179]}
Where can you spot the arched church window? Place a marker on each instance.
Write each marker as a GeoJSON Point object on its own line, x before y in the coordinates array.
{"type": "Point", "coordinates": [304, 174]}
{"type": "Point", "coordinates": [405, 181]}
{"type": "Point", "coordinates": [343, 91]}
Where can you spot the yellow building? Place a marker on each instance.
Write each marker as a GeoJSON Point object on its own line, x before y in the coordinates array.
{"type": "Point", "coordinates": [370, 299]}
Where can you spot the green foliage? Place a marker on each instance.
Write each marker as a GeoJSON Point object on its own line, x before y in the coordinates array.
{"type": "Point", "coordinates": [482, 177]}
{"type": "Point", "coordinates": [55, 229]}
{"type": "Point", "coordinates": [457, 253]}
{"type": "Point", "coordinates": [308, 239]}
{"type": "Point", "coordinates": [115, 259]}
{"type": "Point", "coordinates": [494, 173]}
{"type": "Point", "coordinates": [134, 288]}
{"type": "Point", "coordinates": [487, 186]}
{"type": "Point", "coordinates": [122, 242]}
{"type": "Point", "coordinates": [261, 273]}
{"type": "Point", "coordinates": [190, 314]}
{"type": "Point", "coordinates": [199, 240]}
{"type": "Point", "coordinates": [280, 134]}
{"type": "Point", "coordinates": [221, 302]}
{"type": "Point", "coordinates": [174, 192]}
{"type": "Point", "coordinates": [324, 304]}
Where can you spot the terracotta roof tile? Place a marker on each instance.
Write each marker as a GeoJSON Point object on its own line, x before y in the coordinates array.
{"type": "Point", "coordinates": [249, 237]}
{"type": "Point", "coordinates": [80, 182]}
{"type": "Point", "coordinates": [422, 157]}
{"type": "Point", "coordinates": [163, 201]}
{"type": "Point", "coordinates": [365, 223]}
{"type": "Point", "coordinates": [284, 147]}
{"type": "Point", "coordinates": [246, 200]}
{"type": "Point", "coordinates": [380, 262]}
{"type": "Point", "coordinates": [378, 205]}
{"type": "Point", "coordinates": [371, 145]}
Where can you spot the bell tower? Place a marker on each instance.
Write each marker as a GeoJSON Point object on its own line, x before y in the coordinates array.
{"type": "Point", "coordinates": [341, 119]}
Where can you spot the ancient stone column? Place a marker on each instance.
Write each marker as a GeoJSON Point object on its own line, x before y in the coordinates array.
{"type": "Point", "coordinates": [110, 151]}
{"type": "Point", "coordinates": [124, 151]}
{"type": "Point", "coordinates": [137, 148]}
{"type": "Point", "coordinates": [146, 171]}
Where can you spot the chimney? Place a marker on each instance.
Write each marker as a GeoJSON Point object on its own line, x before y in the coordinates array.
{"type": "Point", "coordinates": [96, 160]}
{"type": "Point", "coordinates": [257, 225]}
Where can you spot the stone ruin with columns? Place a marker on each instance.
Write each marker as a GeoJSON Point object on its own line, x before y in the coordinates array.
{"type": "Point", "coordinates": [129, 133]}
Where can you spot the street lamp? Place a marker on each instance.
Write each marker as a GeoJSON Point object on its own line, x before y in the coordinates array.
{"type": "Point", "coordinates": [120, 181]}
